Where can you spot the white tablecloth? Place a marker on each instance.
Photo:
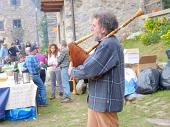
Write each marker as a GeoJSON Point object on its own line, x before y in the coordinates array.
{"type": "Point", "coordinates": [21, 95]}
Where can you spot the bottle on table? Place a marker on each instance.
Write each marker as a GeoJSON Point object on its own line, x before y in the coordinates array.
{"type": "Point", "coordinates": [16, 73]}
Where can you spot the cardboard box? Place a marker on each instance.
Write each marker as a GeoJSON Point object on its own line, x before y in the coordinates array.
{"type": "Point", "coordinates": [147, 62]}
{"type": "Point", "coordinates": [144, 62]}
{"type": "Point", "coordinates": [131, 56]}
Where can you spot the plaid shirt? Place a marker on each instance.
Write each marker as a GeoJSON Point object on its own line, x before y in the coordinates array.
{"type": "Point", "coordinates": [32, 64]}
{"type": "Point", "coordinates": [63, 59]}
{"type": "Point", "coordinates": [106, 93]}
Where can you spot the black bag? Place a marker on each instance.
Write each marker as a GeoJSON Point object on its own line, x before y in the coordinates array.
{"type": "Point", "coordinates": [168, 53]}
{"type": "Point", "coordinates": [165, 78]}
{"type": "Point", "coordinates": [148, 81]}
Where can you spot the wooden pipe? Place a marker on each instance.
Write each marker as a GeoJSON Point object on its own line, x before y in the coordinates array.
{"type": "Point", "coordinates": [137, 14]}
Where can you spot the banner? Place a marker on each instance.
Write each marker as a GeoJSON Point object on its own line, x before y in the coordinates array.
{"type": "Point", "coordinates": [4, 94]}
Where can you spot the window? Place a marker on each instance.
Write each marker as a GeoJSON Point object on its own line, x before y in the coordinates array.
{"type": "Point", "coordinates": [156, 5]}
{"type": "Point", "coordinates": [166, 4]}
{"type": "Point", "coordinates": [17, 23]}
{"type": "Point", "coordinates": [15, 2]}
{"type": "Point", "coordinates": [1, 25]}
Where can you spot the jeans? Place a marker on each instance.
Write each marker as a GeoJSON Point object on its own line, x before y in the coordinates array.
{"type": "Point", "coordinates": [56, 75]}
{"type": "Point", "coordinates": [41, 90]}
{"type": "Point", "coordinates": [2, 61]}
{"type": "Point", "coordinates": [42, 75]}
{"type": "Point", "coordinates": [65, 81]}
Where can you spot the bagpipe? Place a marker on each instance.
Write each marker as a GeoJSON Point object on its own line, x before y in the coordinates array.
{"type": "Point", "coordinates": [78, 55]}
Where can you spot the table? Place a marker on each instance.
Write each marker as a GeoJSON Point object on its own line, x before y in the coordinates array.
{"type": "Point", "coordinates": [21, 95]}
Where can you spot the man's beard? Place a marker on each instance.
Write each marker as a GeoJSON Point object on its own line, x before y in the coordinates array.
{"type": "Point", "coordinates": [97, 38]}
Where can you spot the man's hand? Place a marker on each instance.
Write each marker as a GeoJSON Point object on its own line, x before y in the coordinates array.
{"type": "Point", "coordinates": [50, 65]}
{"type": "Point", "coordinates": [70, 69]}
{"type": "Point", "coordinates": [57, 65]}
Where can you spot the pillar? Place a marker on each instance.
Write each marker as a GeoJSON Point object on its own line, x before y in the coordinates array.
{"type": "Point", "coordinates": [69, 21]}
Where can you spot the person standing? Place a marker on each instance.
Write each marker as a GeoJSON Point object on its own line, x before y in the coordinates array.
{"type": "Point", "coordinates": [55, 72]}
{"type": "Point", "coordinates": [28, 44]}
{"type": "Point", "coordinates": [18, 46]}
{"type": "Point", "coordinates": [63, 63]}
{"type": "Point", "coordinates": [105, 71]}
{"type": "Point", "coordinates": [13, 53]}
{"type": "Point", "coordinates": [3, 53]}
{"type": "Point", "coordinates": [33, 66]}
{"type": "Point", "coordinates": [43, 63]}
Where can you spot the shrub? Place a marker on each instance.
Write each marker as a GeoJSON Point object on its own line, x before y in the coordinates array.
{"type": "Point", "coordinates": [154, 29]}
{"type": "Point", "coordinates": [151, 25]}
{"type": "Point", "coordinates": [165, 26]}
{"type": "Point", "coordinates": [166, 38]}
{"type": "Point", "coordinates": [43, 50]}
{"type": "Point", "coordinates": [149, 38]}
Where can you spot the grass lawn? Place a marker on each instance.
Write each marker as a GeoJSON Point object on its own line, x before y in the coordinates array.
{"type": "Point", "coordinates": [74, 114]}
{"type": "Point", "coordinates": [154, 49]}
{"type": "Point", "coordinates": [156, 106]}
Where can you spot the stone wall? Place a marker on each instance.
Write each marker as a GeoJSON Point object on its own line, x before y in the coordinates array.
{"type": "Point", "coordinates": [52, 23]}
{"type": "Point", "coordinates": [79, 21]}
{"type": "Point", "coordinates": [25, 12]}
{"type": "Point", "coordinates": [84, 9]}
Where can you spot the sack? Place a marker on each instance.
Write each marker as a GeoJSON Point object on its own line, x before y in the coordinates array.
{"type": "Point", "coordinates": [165, 78]}
{"type": "Point", "coordinates": [20, 114]}
{"type": "Point", "coordinates": [148, 81]}
{"type": "Point", "coordinates": [168, 53]}
{"type": "Point", "coordinates": [81, 87]}
{"type": "Point", "coordinates": [130, 81]}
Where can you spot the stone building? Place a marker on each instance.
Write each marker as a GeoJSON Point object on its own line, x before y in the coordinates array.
{"type": "Point", "coordinates": [73, 16]}
{"type": "Point", "coordinates": [52, 23]}
{"type": "Point", "coordinates": [18, 20]}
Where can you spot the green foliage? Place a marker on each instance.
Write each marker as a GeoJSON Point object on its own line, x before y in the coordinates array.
{"type": "Point", "coordinates": [166, 38]}
{"type": "Point", "coordinates": [149, 38]}
{"type": "Point", "coordinates": [43, 50]}
{"type": "Point", "coordinates": [165, 26]}
{"type": "Point", "coordinates": [154, 29]}
{"type": "Point", "coordinates": [151, 25]}
{"type": "Point", "coordinates": [166, 4]}
{"type": "Point", "coordinates": [43, 30]}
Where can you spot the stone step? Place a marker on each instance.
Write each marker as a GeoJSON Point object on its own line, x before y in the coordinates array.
{"type": "Point", "coordinates": [162, 122]}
